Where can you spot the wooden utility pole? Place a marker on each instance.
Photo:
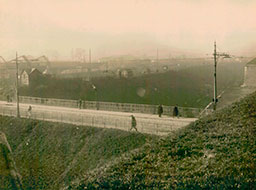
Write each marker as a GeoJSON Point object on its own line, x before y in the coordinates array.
{"type": "Point", "coordinates": [215, 100]}
{"type": "Point", "coordinates": [17, 85]}
{"type": "Point", "coordinates": [216, 56]}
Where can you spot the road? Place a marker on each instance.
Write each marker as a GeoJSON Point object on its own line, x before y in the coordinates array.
{"type": "Point", "coordinates": [146, 123]}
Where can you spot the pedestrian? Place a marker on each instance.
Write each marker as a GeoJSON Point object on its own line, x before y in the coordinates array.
{"type": "Point", "coordinates": [160, 110]}
{"type": "Point", "coordinates": [176, 111]}
{"type": "Point", "coordinates": [133, 123]}
{"type": "Point", "coordinates": [8, 98]}
{"type": "Point", "coordinates": [29, 111]}
{"type": "Point", "coordinates": [80, 103]}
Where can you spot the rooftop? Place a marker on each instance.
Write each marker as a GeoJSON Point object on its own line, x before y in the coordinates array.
{"type": "Point", "coordinates": [252, 62]}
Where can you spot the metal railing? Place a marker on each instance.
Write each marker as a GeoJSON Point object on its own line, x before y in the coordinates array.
{"type": "Point", "coordinates": [112, 106]}
{"type": "Point", "coordinates": [151, 126]}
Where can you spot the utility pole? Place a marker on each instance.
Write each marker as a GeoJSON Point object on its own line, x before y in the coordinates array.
{"type": "Point", "coordinates": [216, 56]}
{"type": "Point", "coordinates": [17, 85]}
{"type": "Point", "coordinates": [215, 100]}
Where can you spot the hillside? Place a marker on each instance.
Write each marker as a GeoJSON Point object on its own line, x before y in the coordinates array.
{"type": "Point", "coordinates": [50, 155]}
{"type": "Point", "coordinates": [216, 152]}
{"type": "Point", "coordinates": [187, 87]}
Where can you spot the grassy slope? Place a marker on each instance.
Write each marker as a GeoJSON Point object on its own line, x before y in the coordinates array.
{"type": "Point", "coordinates": [188, 87]}
{"type": "Point", "coordinates": [216, 152]}
{"type": "Point", "coordinates": [51, 154]}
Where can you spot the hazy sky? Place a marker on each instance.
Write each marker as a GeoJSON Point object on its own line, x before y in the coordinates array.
{"type": "Point", "coordinates": [110, 27]}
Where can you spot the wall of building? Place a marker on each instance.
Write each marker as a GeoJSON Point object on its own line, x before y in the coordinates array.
{"type": "Point", "coordinates": [24, 80]}
{"type": "Point", "coordinates": [250, 75]}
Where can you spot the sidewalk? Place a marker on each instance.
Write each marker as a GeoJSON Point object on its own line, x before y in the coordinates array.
{"type": "Point", "coordinates": [146, 123]}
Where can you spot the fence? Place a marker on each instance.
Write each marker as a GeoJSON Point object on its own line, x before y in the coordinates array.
{"type": "Point", "coordinates": [111, 106]}
{"type": "Point", "coordinates": [145, 125]}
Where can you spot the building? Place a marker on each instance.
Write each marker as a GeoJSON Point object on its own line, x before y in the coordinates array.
{"type": "Point", "coordinates": [124, 73]}
{"type": "Point", "coordinates": [24, 77]}
{"type": "Point", "coordinates": [250, 74]}
{"type": "Point", "coordinates": [28, 76]}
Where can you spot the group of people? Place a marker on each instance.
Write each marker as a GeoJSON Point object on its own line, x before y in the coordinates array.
{"type": "Point", "coordinates": [160, 111]}
{"type": "Point", "coordinates": [133, 120]}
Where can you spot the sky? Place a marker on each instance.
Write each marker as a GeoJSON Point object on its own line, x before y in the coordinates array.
{"type": "Point", "coordinates": [121, 27]}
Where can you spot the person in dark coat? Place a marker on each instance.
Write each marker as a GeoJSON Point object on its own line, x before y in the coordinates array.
{"type": "Point", "coordinates": [29, 111]}
{"type": "Point", "coordinates": [160, 110]}
{"type": "Point", "coordinates": [80, 103]}
{"type": "Point", "coordinates": [133, 123]}
{"type": "Point", "coordinates": [175, 111]}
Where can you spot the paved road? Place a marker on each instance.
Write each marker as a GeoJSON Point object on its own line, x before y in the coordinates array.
{"type": "Point", "coordinates": [146, 123]}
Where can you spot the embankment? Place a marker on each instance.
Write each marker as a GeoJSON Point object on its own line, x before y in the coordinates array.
{"type": "Point", "coordinates": [215, 152]}
{"type": "Point", "coordinates": [49, 155]}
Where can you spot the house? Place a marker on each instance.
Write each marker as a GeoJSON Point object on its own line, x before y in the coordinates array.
{"type": "Point", "coordinates": [28, 76]}
{"type": "Point", "coordinates": [24, 77]}
{"type": "Point", "coordinates": [124, 73]}
{"type": "Point", "coordinates": [250, 74]}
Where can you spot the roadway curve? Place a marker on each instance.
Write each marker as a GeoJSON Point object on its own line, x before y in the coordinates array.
{"type": "Point", "coordinates": [146, 123]}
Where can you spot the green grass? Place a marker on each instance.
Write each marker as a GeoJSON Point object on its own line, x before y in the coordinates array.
{"type": "Point", "coordinates": [215, 152]}
{"type": "Point", "coordinates": [49, 155]}
{"type": "Point", "coordinates": [189, 87]}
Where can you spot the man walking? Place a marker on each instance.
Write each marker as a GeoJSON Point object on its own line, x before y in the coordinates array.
{"type": "Point", "coordinates": [80, 103]}
{"type": "Point", "coordinates": [8, 98]}
{"type": "Point", "coordinates": [175, 111]}
{"type": "Point", "coordinates": [133, 123]}
{"type": "Point", "coordinates": [29, 111]}
{"type": "Point", "coordinates": [160, 110]}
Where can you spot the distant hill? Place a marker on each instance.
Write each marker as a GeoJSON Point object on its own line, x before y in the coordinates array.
{"type": "Point", "coordinates": [215, 152]}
